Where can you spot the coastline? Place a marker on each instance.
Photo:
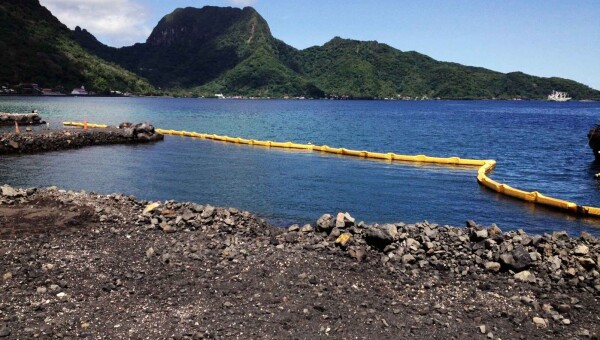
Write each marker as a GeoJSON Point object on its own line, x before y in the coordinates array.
{"type": "Point", "coordinates": [114, 266]}
{"type": "Point", "coordinates": [236, 97]}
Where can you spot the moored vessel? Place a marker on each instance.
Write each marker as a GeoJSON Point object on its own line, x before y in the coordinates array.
{"type": "Point", "coordinates": [558, 96]}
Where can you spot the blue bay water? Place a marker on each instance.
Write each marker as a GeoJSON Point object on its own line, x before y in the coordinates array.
{"type": "Point", "coordinates": [538, 145]}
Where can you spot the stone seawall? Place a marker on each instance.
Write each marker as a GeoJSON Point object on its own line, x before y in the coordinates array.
{"type": "Point", "coordinates": [42, 141]}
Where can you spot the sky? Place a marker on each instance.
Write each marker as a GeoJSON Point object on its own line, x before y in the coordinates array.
{"type": "Point", "coordinates": [540, 37]}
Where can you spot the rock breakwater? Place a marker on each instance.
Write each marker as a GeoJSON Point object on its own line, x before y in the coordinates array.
{"type": "Point", "coordinates": [42, 141]}
{"type": "Point", "coordinates": [33, 118]}
{"type": "Point", "coordinates": [78, 264]}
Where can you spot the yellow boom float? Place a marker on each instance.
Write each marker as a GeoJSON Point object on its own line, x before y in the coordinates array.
{"type": "Point", "coordinates": [485, 166]}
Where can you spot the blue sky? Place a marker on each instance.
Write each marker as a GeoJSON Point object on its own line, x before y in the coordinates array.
{"type": "Point", "coordinates": [543, 38]}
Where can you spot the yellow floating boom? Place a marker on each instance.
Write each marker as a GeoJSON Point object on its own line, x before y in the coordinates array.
{"type": "Point", "coordinates": [485, 166]}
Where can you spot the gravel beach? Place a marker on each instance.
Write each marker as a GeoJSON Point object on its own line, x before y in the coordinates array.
{"type": "Point", "coordinates": [76, 264]}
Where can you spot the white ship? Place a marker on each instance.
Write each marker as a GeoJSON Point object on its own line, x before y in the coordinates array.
{"type": "Point", "coordinates": [559, 96]}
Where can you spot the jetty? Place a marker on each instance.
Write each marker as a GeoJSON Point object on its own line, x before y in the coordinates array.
{"type": "Point", "coordinates": [32, 118]}
{"type": "Point", "coordinates": [74, 138]}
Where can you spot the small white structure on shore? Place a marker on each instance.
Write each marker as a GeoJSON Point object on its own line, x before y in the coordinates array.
{"type": "Point", "coordinates": [219, 96]}
{"type": "Point", "coordinates": [79, 91]}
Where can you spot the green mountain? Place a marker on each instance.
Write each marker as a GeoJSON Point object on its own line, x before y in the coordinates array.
{"type": "Point", "coordinates": [212, 50]}
{"type": "Point", "coordinates": [345, 67]}
{"type": "Point", "coordinates": [36, 48]}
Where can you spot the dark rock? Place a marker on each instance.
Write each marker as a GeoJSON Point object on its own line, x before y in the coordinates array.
{"type": "Point", "coordinates": [521, 257]}
{"type": "Point", "coordinates": [586, 262]}
{"type": "Point", "coordinates": [325, 222]}
{"type": "Point", "coordinates": [335, 232]}
{"type": "Point", "coordinates": [188, 215]}
{"type": "Point", "coordinates": [408, 259]}
{"type": "Point", "coordinates": [564, 308]}
{"type": "Point", "coordinates": [167, 228]}
{"type": "Point", "coordinates": [585, 236]}
{"type": "Point", "coordinates": [536, 240]}
{"type": "Point", "coordinates": [518, 259]}
{"type": "Point", "coordinates": [494, 231]}
{"type": "Point", "coordinates": [319, 307]}
{"type": "Point", "coordinates": [307, 228]}
{"type": "Point", "coordinates": [4, 331]}
{"type": "Point", "coordinates": [390, 230]}
{"type": "Point", "coordinates": [355, 230]}
{"type": "Point", "coordinates": [291, 237]}
{"type": "Point", "coordinates": [208, 211]}
{"type": "Point", "coordinates": [358, 254]}
{"type": "Point", "coordinates": [560, 235]}
{"type": "Point", "coordinates": [378, 238]}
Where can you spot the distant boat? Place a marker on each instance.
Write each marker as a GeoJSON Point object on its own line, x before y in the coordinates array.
{"type": "Point", "coordinates": [558, 96]}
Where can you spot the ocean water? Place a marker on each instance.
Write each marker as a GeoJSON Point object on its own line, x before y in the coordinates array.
{"type": "Point", "coordinates": [538, 146]}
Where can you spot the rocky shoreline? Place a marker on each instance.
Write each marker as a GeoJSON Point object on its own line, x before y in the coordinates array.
{"type": "Point", "coordinates": [78, 264]}
{"type": "Point", "coordinates": [54, 140]}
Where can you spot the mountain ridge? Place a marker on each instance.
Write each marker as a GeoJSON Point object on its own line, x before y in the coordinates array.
{"type": "Point", "coordinates": [210, 50]}
{"type": "Point", "coordinates": [35, 47]}
{"type": "Point", "coordinates": [237, 55]}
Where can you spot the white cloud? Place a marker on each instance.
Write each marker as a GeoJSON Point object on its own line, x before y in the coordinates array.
{"type": "Point", "coordinates": [116, 22]}
{"type": "Point", "coordinates": [243, 2]}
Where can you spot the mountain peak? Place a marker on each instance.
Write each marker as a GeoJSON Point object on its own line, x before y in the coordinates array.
{"type": "Point", "coordinates": [231, 50]}
{"type": "Point", "coordinates": [196, 25]}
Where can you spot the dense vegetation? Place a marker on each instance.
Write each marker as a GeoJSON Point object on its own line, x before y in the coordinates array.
{"type": "Point", "coordinates": [370, 69]}
{"type": "Point", "coordinates": [211, 50]}
{"type": "Point", "coordinates": [36, 48]}
{"type": "Point", "coordinates": [231, 51]}
{"type": "Point", "coordinates": [202, 52]}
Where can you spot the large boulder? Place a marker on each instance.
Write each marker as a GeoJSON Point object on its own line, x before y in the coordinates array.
{"type": "Point", "coordinates": [142, 132]}
{"type": "Point", "coordinates": [8, 191]}
{"type": "Point", "coordinates": [325, 223]}
{"type": "Point", "coordinates": [378, 238]}
{"type": "Point", "coordinates": [518, 259]}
